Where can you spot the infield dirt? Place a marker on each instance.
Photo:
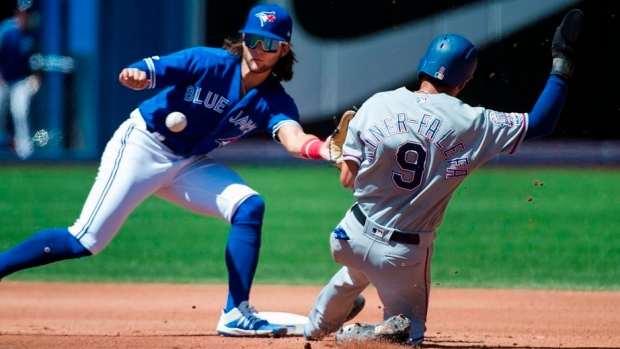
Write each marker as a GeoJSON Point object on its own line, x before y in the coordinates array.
{"type": "Point", "coordinates": [151, 316]}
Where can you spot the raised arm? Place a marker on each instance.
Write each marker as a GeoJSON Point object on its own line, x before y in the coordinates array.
{"type": "Point", "coordinates": [546, 111]}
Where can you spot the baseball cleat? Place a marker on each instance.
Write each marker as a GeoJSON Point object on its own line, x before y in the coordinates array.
{"type": "Point", "coordinates": [358, 305]}
{"type": "Point", "coordinates": [394, 329]}
{"type": "Point", "coordinates": [243, 322]}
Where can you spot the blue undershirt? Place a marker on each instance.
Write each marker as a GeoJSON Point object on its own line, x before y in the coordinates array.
{"type": "Point", "coordinates": [546, 111]}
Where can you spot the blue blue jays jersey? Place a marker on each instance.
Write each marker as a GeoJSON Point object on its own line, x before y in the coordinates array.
{"type": "Point", "coordinates": [204, 84]}
{"type": "Point", "coordinates": [16, 47]}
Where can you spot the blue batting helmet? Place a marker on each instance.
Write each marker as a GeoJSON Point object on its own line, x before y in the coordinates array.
{"type": "Point", "coordinates": [450, 58]}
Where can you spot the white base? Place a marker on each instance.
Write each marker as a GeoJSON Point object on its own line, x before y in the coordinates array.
{"type": "Point", "coordinates": [295, 323]}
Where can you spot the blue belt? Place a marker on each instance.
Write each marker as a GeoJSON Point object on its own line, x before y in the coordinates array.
{"type": "Point", "coordinates": [397, 236]}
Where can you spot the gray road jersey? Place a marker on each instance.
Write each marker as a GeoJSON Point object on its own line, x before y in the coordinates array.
{"type": "Point", "coordinates": [415, 149]}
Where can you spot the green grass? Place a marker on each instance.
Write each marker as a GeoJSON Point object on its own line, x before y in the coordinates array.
{"type": "Point", "coordinates": [506, 231]}
{"type": "Point", "coordinates": [505, 227]}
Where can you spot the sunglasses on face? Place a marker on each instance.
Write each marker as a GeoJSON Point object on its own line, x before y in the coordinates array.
{"type": "Point", "coordinates": [269, 44]}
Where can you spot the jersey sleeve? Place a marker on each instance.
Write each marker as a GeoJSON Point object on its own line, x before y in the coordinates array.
{"type": "Point", "coordinates": [283, 111]}
{"type": "Point", "coordinates": [182, 67]}
{"type": "Point", "coordinates": [353, 147]}
{"type": "Point", "coordinates": [503, 133]}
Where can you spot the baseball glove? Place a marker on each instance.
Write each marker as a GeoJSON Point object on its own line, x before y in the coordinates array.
{"type": "Point", "coordinates": [338, 137]}
{"type": "Point", "coordinates": [566, 42]}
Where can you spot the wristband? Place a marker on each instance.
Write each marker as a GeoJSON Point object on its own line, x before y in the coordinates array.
{"type": "Point", "coordinates": [562, 67]}
{"type": "Point", "coordinates": [311, 149]}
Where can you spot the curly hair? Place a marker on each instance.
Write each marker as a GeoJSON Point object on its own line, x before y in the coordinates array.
{"type": "Point", "coordinates": [283, 70]}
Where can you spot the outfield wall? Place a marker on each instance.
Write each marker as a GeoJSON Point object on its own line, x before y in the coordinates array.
{"type": "Point", "coordinates": [344, 55]}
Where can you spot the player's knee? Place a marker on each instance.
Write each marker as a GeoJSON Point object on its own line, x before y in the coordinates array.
{"type": "Point", "coordinates": [78, 248]}
{"type": "Point", "coordinates": [251, 211]}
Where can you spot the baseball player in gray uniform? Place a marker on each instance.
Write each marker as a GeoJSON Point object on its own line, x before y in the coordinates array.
{"type": "Point", "coordinates": [405, 154]}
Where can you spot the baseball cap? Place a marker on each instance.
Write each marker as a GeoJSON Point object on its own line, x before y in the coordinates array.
{"type": "Point", "coordinates": [272, 21]}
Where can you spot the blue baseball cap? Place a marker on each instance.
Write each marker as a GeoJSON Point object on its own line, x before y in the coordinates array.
{"type": "Point", "coordinates": [272, 21]}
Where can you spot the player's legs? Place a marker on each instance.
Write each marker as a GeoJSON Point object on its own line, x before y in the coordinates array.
{"type": "Point", "coordinates": [399, 272]}
{"type": "Point", "coordinates": [131, 168]}
{"type": "Point", "coordinates": [20, 100]}
{"type": "Point", "coordinates": [242, 249]}
{"type": "Point", "coordinates": [334, 303]}
{"type": "Point", "coordinates": [403, 281]}
{"type": "Point", "coordinates": [44, 247]}
{"type": "Point", "coordinates": [210, 188]}
{"type": "Point", "coordinates": [336, 299]}
{"type": "Point", "coordinates": [205, 186]}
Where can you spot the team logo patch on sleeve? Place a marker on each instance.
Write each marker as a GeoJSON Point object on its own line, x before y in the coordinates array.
{"type": "Point", "coordinates": [506, 119]}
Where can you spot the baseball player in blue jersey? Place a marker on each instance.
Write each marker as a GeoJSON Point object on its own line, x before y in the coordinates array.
{"type": "Point", "coordinates": [405, 154]}
{"type": "Point", "coordinates": [18, 82]}
{"type": "Point", "coordinates": [210, 97]}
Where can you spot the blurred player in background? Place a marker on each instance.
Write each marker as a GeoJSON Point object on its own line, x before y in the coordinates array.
{"type": "Point", "coordinates": [210, 97]}
{"type": "Point", "coordinates": [18, 83]}
{"type": "Point", "coordinates": [405, 154]}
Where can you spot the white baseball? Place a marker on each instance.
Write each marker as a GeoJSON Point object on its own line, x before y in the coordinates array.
{"type": "Point", "coordinates": [176, 121]}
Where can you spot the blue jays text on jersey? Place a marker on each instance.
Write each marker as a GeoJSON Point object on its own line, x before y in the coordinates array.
{"type": "Point", "coordinates": [209, 99]}
{"type": "Point", "coordinates": [204, 84]}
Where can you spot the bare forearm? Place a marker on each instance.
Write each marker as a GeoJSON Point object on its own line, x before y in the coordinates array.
{"type": "Point", "coordinates": [302, 145]}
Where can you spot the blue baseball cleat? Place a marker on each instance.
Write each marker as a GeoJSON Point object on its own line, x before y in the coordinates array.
{"type": "Point", "coordinates": [243, 322]}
